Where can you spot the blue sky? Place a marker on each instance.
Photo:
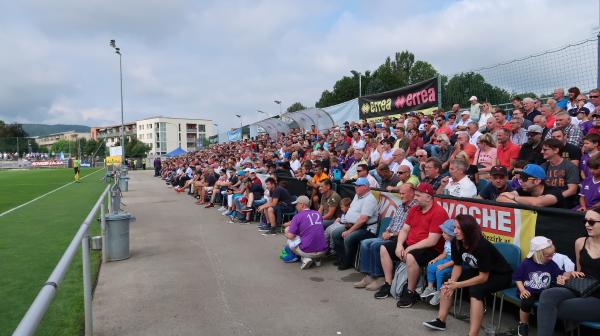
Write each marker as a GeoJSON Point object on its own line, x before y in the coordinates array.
{"type": "Point", "coordinates": [215, 59]}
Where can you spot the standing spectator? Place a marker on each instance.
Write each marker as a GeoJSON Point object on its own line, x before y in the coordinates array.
{"type": "Point", "coordinates": [370, 263]}
{"type": "Point", "coordinates": [559, 302]}
{"type": "Point", "coordinates": [507, 152]}
{"type": "Point", "coordinates": [157, 166]}
{"type": "Point", "coordinates": [487, 272]}
{"type": "Point", "coordinates": [560, 173]}
{"type": "Point", "coordinates": [458, 184]}
{"type": "Point", "coordinates": [361, 223]}
{"type": "Point", "coordinates": [532, 150]}
{"type": "Point", "coordinates": [475, 110]}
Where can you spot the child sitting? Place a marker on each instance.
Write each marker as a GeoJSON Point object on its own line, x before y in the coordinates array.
{"type": "Point", "coordinates": [536, 273]}
{"type": "Point", "coordinates": [339, 222]}
{"type": "Point", "coordinates": [440, 267]}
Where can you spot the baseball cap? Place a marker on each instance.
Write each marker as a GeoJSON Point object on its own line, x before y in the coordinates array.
{"type": "Point", "coordinates": [302, 199]}
{"type": "Point", "coordinates": [535, 129]}
{"type": "Point", "coordinates": [448, 227]}
{"type": "Point", "coordinates": [241, 173]}
{"type": "Point", "coordinates": [442, 137]}
{"type": "Point", "coordinates": [499, 170]}
{"type": "Point", "coordinates": [465, 112]}
{"type": "Point", "coordinates": [537, 244]}
{"type": "Point", "coordinates": [472, 98]}
{"type": "Point", "coordinates": [361, 181]}
{"type": "Point", "coordinates": [425, 188]}
{"type": "Point", "coordinates": [535, 171]}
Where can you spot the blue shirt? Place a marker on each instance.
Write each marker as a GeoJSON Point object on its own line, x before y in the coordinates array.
{"type": "Point", "coordinates": [562, 104]}
{"type": "Point", "coordinates": [536, 277]}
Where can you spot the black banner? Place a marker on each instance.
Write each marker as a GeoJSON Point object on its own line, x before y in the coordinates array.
{"type": "Point", "coordinates": [415, 97]}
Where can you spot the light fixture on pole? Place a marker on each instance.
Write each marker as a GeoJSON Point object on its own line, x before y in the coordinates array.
{"type": "Point", "coordinates": [356, 73]}
{"type": "Point", "coordinates": [278, 102]}
{"type": "Point", "coordinates": [263, 112]}
{"type": "Point", "coordinates": [118, 52]}
{"type": "Point", "coordinates": [239, 116]}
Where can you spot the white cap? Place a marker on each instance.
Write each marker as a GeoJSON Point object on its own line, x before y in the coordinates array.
{"type": "Point", "coordinates": [537, 244]}
{"type": "Point", "coordinates": [302, 199]}
{"type": "Point", "coordinates": [472, 98]}
{"type": "Point", "coordinates": [465, 112]}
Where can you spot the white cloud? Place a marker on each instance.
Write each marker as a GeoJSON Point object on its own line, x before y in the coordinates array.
{"type": "Point", "coordinates": [215, 59]}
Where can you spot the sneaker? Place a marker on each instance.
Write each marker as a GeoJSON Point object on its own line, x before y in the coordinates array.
{"type": "Point", "coordinates": [407, 299]}
{"type": "Point", "coordinates": [436, 324]}
{"type": "Point", "coordinates": [209, 205]}
{"type": "Point", "coordinates": [221, 209]}
{"type": "Point", "coordinates": [271, 232]}
{"type": "Point", "coordinates": [306, 263]}
{"type": "Point", "coordinates": [435, 299]}
{"type": "Point", "coordinates": [246, 209]}
{"type": "Point", "coordinates": [264, 228]}
{"type": "Point", "coordinates": [366, 280]}
{"type": "Point", "coordinates": [522, 329]}
{"type": "Point", "coordinates": [384, 291]}
{"type": "Point", "coordinates": [429, 291]}
{"type": "Point", "coordinates": [318, 263]}
{"type": "Point", "coordinates": [228, 213]}
{"type": "Point", "coordinates": [291, 261]}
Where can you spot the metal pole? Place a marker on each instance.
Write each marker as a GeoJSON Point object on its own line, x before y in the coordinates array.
{"type": "Point", "coordinates": [103, 229]}
{"type": "Point", "coordinates": [87, 283]}
{"type": "Point", "coordinates": [122, 120]}
{"type": "Point", "coordinates": [17, 148]}
{"type": "Point", "coordinates": [598, 61]}
{"type": "Point", "coordinates": [439, 90]}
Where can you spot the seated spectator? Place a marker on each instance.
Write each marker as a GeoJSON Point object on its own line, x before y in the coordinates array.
{"type": "Point", "coordinates": [369, 263]}
{"type": "Point", "coordinates": [458, 183]}
{"type": "Point", "coordinates": [474, 133]}
{"type": "Point", "coordinates": [405, 176]}
{"type": "Point", "coordinates": [399, 158]}
{"type": "Point", "coordinates": [421, 156]}
{"type": "Point", "coordinates": [518, 114]}
{"type": "Point", "coordinates": [533, 191]}
{"type": "Point", "coordinates": [401, 141]}
{"type": "Point", "coordinates": [462, 145]}
{"type": "Point", "coordinates": [570, 152]}
{"type": "Point", "coordinates": [361, 223]}
{"type": "Point", "coordinates": [432, 172]}
{"type": "Point", "coordinates": [536, 273]}
{"type": "Point", "coordinates": [560, 173]}
{"type": "Point", "coordinates": [531, 151]}
{"type": "Point", "coordinates": [305, 233]}
{"type": "Point", "coordinates": [498, 184]}
{"type": "Point", "coordinates": [463, 122]}
{"type": "Point", "coordinates": [562, 303]}
{"type": "Point", "coordinates": [530, 110]}
{"type": "Point", "coordinates": [440, 267]}
{"type": "Point", "coordinates": [572, 132]}
{"type": "Point", "coordinates": [363, 171]}
{"type": "Point", "coordinates": [206, 185]}
{"type": "Point", "coordinates": [339, 223]}
{"type": "Point", "coordinates": [589, 189]}
{"type": "Point", "coordinates": [518, 135]}
{"type": "Point", "coordinates": [487, 273]}
{"type": "Point", "coordinates": [486, 155]}
{"type": "Point", "coordinates": [590, 150]}
{"type": "Point", "coordinates": [272, 211]}
{"type": "Point", "coordinates": [443, 150]}
{"type": "Point", "coordinates": [330, 201]}
{"type": "Point", "coordinates": [313, 183]}
{"type": "Point", "coordinates": [386, 176]}
{"type": "Point", "coordinates": [415, 141]}
{"type": "Point", "coordinates": [417, 244]}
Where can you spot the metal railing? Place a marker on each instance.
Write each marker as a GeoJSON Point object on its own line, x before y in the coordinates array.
{"type": "Point", "coordinates": [38, 308]}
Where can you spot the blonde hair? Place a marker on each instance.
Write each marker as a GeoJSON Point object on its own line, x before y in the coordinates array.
{"type": "Point", "coordinates": [538, 256]}
{"type": "Point", "coordinates": [345, 202]}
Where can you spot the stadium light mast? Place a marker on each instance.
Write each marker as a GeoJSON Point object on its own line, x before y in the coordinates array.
{"type": "Point", "coordinates": [118, 52]}
{"type": "Point", "coordinates": [239, 116]}
{"type": "Point", "coordinates": [278, 102]}
{"type": "Point", "coordinates": [356, 73]}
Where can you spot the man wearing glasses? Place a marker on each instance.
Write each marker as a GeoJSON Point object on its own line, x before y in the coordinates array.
{"type": "Point", "coordinates": [534, 191]}
{"type": "Point", "coordinates": [531, 151]}
{"type": "Point", "coordinates": [594, 96]}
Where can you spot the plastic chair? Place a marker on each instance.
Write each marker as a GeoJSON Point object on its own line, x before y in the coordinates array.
{"type": "Point", "coordinates": [383, 225]}
{"type": "Point", "coordinates": [588, 324]}
{"type": "Point", "coordinates": [512, 255]}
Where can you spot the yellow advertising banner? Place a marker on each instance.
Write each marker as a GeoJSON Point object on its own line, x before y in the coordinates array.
{"type": "Point", "coordinates": [112, 160]}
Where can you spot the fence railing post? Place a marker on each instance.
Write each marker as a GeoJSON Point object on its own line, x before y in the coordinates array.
{"type": "Point", "coordinates": [103, 229]}
{"type": "Point", "coordinates": [87, 284]}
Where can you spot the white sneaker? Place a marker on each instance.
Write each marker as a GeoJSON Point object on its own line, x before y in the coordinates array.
{"type": "Point", "coordinates": [221, 209]}
{"type": "Point", "coordinates": [435, 299]}
{"type": "Point", "coordinates": [318, 262]}
{"type": "Point", "coordinates": [429, 291]}
{"type": "Point", "coordinates": [306, 263]}
{"type": "Point", "coordinates": [224, 212]}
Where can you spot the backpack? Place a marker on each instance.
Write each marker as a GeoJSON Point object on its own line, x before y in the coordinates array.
{"type": "Point", "coordinates": [400, 280]}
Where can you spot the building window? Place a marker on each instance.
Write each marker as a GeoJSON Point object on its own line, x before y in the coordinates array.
{"type": "Point", "coordinates": [158, 145]}
{"type": "Point", "coordinates": [179, 127]}
{"type": "Point", "coordinates": [201, 128]}
{"type": "Point", "coordinates": [179, 135]}
{"type": "Point", "coordinates": [150, 126]}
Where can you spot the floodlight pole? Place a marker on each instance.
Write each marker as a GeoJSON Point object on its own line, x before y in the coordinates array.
{"type": "Point", "coordinates": [356, 73]}
{"type": "Point", "coordinates": [118, 52]}
{"type": "Point", "coordinates": [278, 102]}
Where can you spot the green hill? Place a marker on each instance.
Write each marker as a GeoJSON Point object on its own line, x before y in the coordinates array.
{"type": "Point", "coordinates": [41, 129]}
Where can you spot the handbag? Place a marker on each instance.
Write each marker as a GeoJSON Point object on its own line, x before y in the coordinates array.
{"type": "Point", "coordinates": [583, 287]}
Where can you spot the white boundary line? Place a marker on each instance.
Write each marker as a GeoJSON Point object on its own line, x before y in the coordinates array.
{"type": "Point", "coordinates": [44, 195]}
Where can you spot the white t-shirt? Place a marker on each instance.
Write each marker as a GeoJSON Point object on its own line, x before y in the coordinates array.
{"type": "Point", "coordinates": [463, 188]}
{"type": "Point", "coordinates": [387, 155]}
{"type": "Point", "coordinates": [395, 165]}
{"type": "Point", "coordinates": [295, 165]}
{"type": "Point", "coordinates": [365, 205]}
{"type": "Point", "coordinates": [360, 144]}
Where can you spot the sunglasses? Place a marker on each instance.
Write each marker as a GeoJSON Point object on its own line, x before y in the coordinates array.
{"type": "Point", "coordinates": [421, 155]}
{"type": "Point", "coordinates": [359, 170]}
{"type": "Point", "coordinates": [532, 134]}
{"type": "Point", "coordinates": [589, 222]}
{"type": "Point", "coordinates": [594, 96]}
{"type": "Point", "coordinates": [523, 177]}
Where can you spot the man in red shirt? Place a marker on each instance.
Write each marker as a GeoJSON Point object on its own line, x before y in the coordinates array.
{"type": "Point", "coordinates": [507, 152]}
{"type": "Point", "coordinates": [419, 241]}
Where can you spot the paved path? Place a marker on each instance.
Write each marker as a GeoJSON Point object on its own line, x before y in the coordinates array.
{"type": "Point", "coordinates": [192, 273]}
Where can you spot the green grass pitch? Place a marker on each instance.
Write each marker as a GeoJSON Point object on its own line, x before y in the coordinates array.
{"type": "Point", "coordinates": [34, 237]}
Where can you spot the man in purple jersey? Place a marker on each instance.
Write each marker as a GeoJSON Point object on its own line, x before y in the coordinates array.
{"type": "Point", "coordinates": [305, 233]}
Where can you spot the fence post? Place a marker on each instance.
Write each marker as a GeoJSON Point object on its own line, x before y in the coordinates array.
{"type": "Point", "coordinates": [103, 229]}
{"type": "Point", "coordinates": [598, 60]}
{"type": "Point", "coordinates": [439, 90]}
{"type": "Point", "coordinates": [87, 284]}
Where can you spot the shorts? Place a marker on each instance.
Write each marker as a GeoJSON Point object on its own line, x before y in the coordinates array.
{"type": "Point", "coordinates": [422, 256]}
{"type": "Point", "coordinates": [76, 170]}
{"type": "Point", "coordinates": [495, 282]}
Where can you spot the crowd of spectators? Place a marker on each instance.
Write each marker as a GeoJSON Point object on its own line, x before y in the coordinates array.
{"type": "Point", "coordinates": [543, 155]}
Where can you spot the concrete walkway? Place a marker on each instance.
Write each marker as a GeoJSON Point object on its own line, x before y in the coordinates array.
{"type": "Point", "coordinates": [193, 273]}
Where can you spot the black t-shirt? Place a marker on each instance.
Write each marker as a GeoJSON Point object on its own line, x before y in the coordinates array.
{"type": "Point", "coordinates": [282, 195]}
{"type": "Point", "coordinates": [485, 258]}
{"type": "Point", "coordinates": [571, 152]}
{"type": "Point", "coordinates": [210, 180]}
{"type": "Point", "coordinates": [532, 154]}
{"type": "Point", "coordinates": [560, 203]}
{"type": "Point", "coordinates": [532, 115]}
